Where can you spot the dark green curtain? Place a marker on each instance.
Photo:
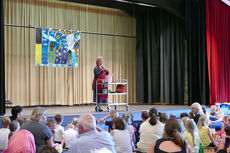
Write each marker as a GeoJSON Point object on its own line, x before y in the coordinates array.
{"type": "Point", "coordinates": [198, 84]}
{"type": "Point", "coordinates": [2, 61]}
{"type": "Point", "coordinates": [160, 55]}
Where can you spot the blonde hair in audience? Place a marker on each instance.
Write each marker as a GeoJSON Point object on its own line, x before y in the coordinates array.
{"type": "Point", "coordinates": [69, 126]}
{"type": "Point", "coordinates": [203, 121]}
{"type": "Point", "coordinates": [190, 127]}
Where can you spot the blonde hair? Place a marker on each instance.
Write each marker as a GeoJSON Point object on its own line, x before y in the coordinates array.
{"type": "Point", "coordinates": [99, 58]}
{"type": "Point", "coordinates": [197, 106]}
{"type": "Point", "coordinates": [203, 121]}
{"type": "Point", "coordinates": [213, 106]}
{"type": "Point", "coordinates": [190, 127]}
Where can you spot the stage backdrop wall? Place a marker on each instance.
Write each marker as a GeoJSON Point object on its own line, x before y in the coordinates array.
{"type": "Point", "coordinates": [27, 84]}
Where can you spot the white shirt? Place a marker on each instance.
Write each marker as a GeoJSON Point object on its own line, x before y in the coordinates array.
{"type": "Point", "coordinates": [69, 136]}
{"type": "Point", "coordinates": [130, 128]}
{"type": "Point", "coordinates": [148, 134]}
{"type": "Point", "coordinates": [122, 141]}
{"type": "Point", "coordinates": [59, 132]}
{"type": "Point", "coordinates": [4, 133]}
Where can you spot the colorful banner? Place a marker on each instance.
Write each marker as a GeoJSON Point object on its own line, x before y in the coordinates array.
{"type": "Point", "coordinates": [56, 49]}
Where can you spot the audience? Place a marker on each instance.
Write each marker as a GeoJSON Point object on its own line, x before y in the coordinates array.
{"type": "Point", "coordinates": [47, 149]}
{"type": "Point", "coordinates": [205, 111]}
{"type": "Point", "coordinates": [41, 132]}
{"type": "Point", "coordinates": [225, 140]}
{"type": "Point", "coordinates": [150, 130]}
{"type": "Point", "coordinates": [20, 121]}
{"type": "Point", "coordinates": [212, 114]}
{"type": "Point", "coordinates": [191, 135]}
{"type": "Point", "coordinates": [219, 118]}
{"type": "Point", "coordinates": [16, 112]}
{"type": "Point", "coordinates": [89, 138]}
{"type": "Point", "coordinates": [74, 123]}
{"type": "Point", "coordinates": [204, 132]}
{"type": "Point", "coordinates": [4, 133]}
{"type": "Point", "coordinates": [172, 141]}
{"type": "Point", "coordinates": [112, 114]}
{"type": "Point", "coordinates": [172, 116]}
{"type": "Point", "coordinates": [163, 117]}
{"type": "Point", "coordinates": [59, 130]}
{"type": "Point", "coordinates": [14, 127]}
{"type": "Point", "coordinates": [184, 115]}
{"type": "Point", "coordinates": [21, 142]}
{"type": "Point", "coordinates": [70, 135]}
{"type": "Point", "coordinates": [50, 123]}
{"type": "Point", "coordinates": [196, 112]}
{"type": "Point", "coordinates": [121, 136]}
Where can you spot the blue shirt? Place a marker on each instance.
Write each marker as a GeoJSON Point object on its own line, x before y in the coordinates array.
{"type": "Point", "coordinates": [91, 141]}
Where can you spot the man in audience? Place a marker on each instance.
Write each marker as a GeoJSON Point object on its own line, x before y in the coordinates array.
{"type": "Point", "coordinates": [89, 138]}
{"type": "Point", "coordinates": [4, 132]}
{"type": "Point", "coordinates": [16, 112]}
{"type": "Point", "coordinates": [41, 132]}
{"type": "Point", "coordinates": [112, 114]}
{"type": "Point", "coordinates": [59, 130]}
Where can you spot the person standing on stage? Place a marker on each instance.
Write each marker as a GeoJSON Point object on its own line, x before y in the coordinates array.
{"type": "Point", "coordinates": [99, 73]}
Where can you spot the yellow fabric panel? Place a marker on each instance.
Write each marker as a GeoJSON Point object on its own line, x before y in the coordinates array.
{"type": "Point", "coordinates": [28, 84]}
{"type": "Point", "coordinates": [38, 53]}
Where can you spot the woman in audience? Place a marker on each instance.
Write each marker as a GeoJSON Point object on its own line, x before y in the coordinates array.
{"type": "Point", "coordinates": [163, 117]}
{"type": "Point", "coordinates": [205, 133]}
{"type": "Point", "coordinates": [16, 112]}
{"type": "Point", "coordinates": [14, 127]}
{"type": "Point", "coordinates": [121, 136]}
{"type": "Point", "coordinates": [196, 112]}
{"type": "Point", "coordinates": [50, 123]}
{"type": "Point", "coordinates": [41, 132]}
{"type": "Point", "coordinates": [172, 141]}
{"type": "Point", "coordinates": [151, 130]}
{"type": "Point", "coordinates": [219, 118]}
{"type": "Point", "coordinates": [191, 135]}
{"type": "Point", "coordinates": [21, 142]}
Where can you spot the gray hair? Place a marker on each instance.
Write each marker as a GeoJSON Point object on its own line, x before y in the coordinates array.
{"type": "Point", "coordinates": [198, 107]}
{"type": "Point", "coordinates": [37, 114]}
{"type": "Point", "coordinates": [87, 121]}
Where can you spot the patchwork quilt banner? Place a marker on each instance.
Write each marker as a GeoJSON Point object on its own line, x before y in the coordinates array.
{"type": "Point", "coordinates": [56, 49]}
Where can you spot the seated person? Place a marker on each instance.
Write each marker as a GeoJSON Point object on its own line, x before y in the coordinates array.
{"type": "Point", "coordinates": [4, 132]}
{"type": "Point", "coordinates": [14, 127]}
{"type": "Point", "coordinates": [69, 135]}
{"type": "Point", "coordinates": [173, 140]}
{"type": "Point", "coordinates": [212, 115]}
{"type": "Point", "coordinates": [219, 120]}
{"type": "Point", "coordinates": [59, 130]}
{"type": "Point", "coordinates": [196, 112]}
{"type": "Point", "coordinates": [225, 140]}
{"type": "Point", "coordinates": [183, 115]}
{"type": "Point", "coordinates": [163, 117]}
{"type": "Point", "coordinates": [16, 112]}
{"type": "Point", "coordinates": [109, 123]}
{"type": "Point", "coordinates": [89, 138]}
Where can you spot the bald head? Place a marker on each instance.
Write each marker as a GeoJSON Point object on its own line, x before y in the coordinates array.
{"type": "Point", "coordinates": [86, 123]}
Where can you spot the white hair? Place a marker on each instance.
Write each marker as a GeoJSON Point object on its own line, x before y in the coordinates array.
{"type": "Point", "coordinates": [38, 113]}
{"type": "Point", "coordinates": [87, 121]}
{"type": "Point", "coordinates": [197, 106]}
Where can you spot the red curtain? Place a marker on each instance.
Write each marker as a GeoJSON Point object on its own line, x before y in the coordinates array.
{"type": "Point", "coordinates": [218, 50]}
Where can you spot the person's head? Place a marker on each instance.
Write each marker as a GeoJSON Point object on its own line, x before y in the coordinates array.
{"type": "Point", "coordinates": [69, 126]}
{"type": "Point", "coordinates": [39, 115]}
{"type": "Point", "coordinates": [128, 118]}
{"type": "Point", "coordinates": [228, 121]}
{"type": "Point", "coordinates": [163, 117]}
{"type": "Point", "coordinates": [119, 123]}
{"type": "Point", "coordinates": [203, 108]}
{"type": "Point", "coordinates": [172, 116]}
{"type": "Point", "coordinates": [144, 115]}
{"type": "Point", "coordinates": [20, 121]}
{"type": "Point", "coordinates": [58, 118]}
{"type": "Point", "coordinates": [225, 118]}
{"type": "Point", "coordinates": [227, 130]}
{"type": "Point", "coordinates": [153, 116]}
{"type": "Point", "coordinates": [213, 108]}
{"type": "Point", "coordinates": [86, 123]}
{"type": "Point", "coordinates": [14, 126]}
{"type": "Point", "coordinates": [217, 106]}
{"type": "Point", "coordinates": [16, 111]}
{"type": "Point", "coordinates": [191, 127]}
{"type": "Point", "coordinates": [5, 122]}
{"type": "Point", "coordinates": [47, 149]}
{"type": "Point", "coordinates": [75, 121]}
{"type": "Point", "coordinates": [113, 113]}
{"type": "Point", "coordinates": [203, 121]}
{"type": "Point", "coordinates": [196, 108]}
{"type": "Point", "coordinates": [183, 115]}
{"type": "Point", "coordinates": [173, 129]}
{"type": "Point", "coordinates": [99, 61]}
{"type": "Point", "coordinates": [50, 124]}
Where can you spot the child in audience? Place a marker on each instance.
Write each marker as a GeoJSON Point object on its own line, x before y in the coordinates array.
{"type": "Point", "coordinates": [20, 121]}
{"type": "Point", "coordinates": [50, 123]}
{"type": "Point", "coordinates": [172, 116]}
{"type": "Point", "coordinates": [163, 117]}
{"type": "Point", "coordinates": [14, 127]}
{"type": "Point", "coordinates": [205, 133]}
{"type": "Point", "coordinates": [74, 123]}
{"type": "Point", "coordinates": [112, 114]}
{"type": "Point", "coordinates": [47, 149]}
{"type": "Point", "coordinates": [144, 115]}
{"type": "Point", "coordinates": [212, 114]}
{"type": "Point", "coordinates": [59, 130]}
{"type": "Point", "coordinates": [225, 140]}
{"type": "Point", "coordinates": [191, 135]}
{"type": "Point", "coordinates": [121, 136]}
{"type": "Point", "coordinates": [69, 136]}
{"type": "Point", "coordinates": [184, 115]}
{"type": "Point", "coordinates": [129, 120]}
{"type": "Point", "coordinates": [4, 133]}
